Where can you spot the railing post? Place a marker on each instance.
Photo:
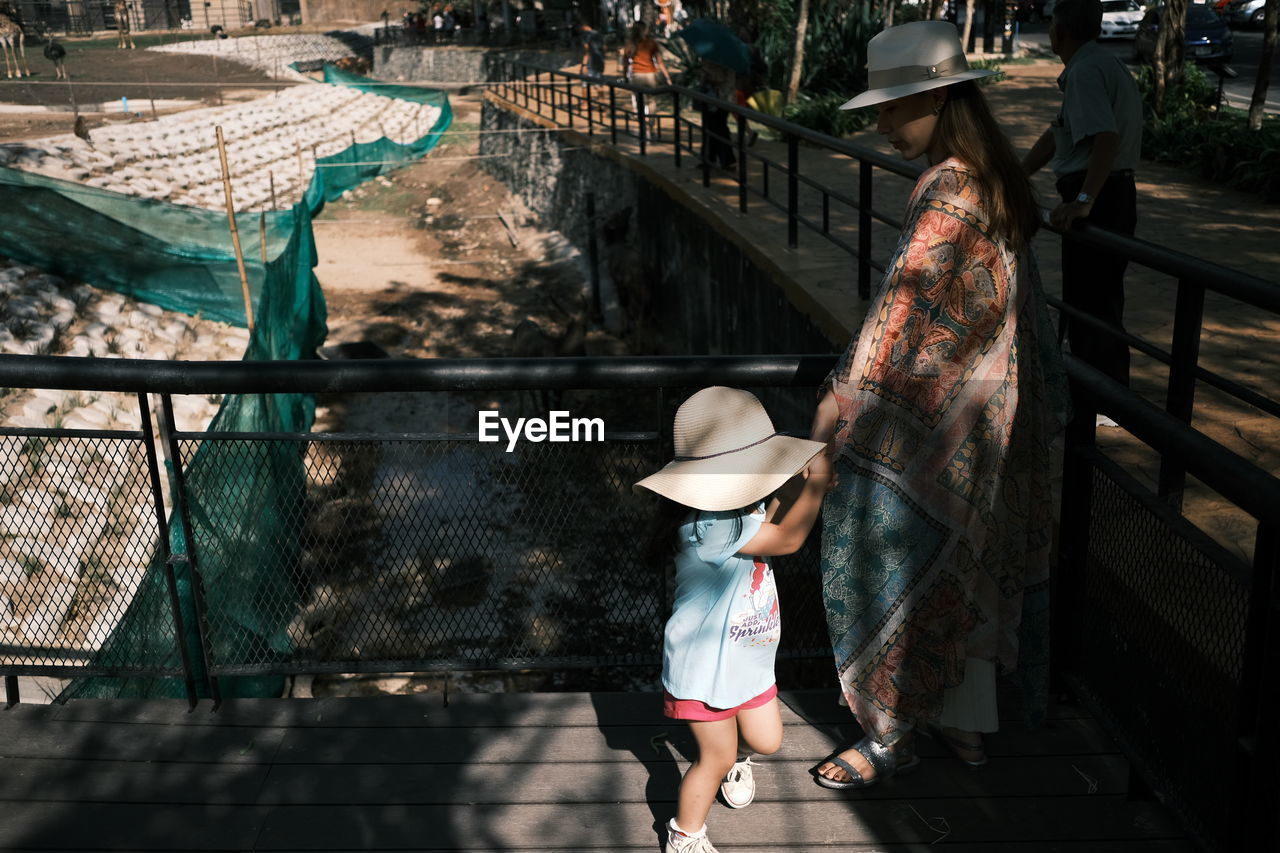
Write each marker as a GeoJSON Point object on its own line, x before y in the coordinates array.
{"type": "Point", "coordinates": [162, 523]}
{"type": "Point", "coordinates": [613, 116]}
{"type": "Point", "coordinates": [537, 88]}
{"type": "Point", "coordinates": [675, 125]}
{"type": "Point", "coordinates": [642, 120]}
{"type": "Point", "coordinates": [1068, 579]}
{"type": "Point", "coordinates": [1188, 317]}
{"type": "Point", "coordinates": [188, 557]}
{"type": "Point", "coordinates": [706, 151]}
{"type": "Point", "coordinates": [11, 693]}
{"type": "Point", "coordinates": [864, 229]}
{"type": "Point", "coordinates": [793, 191]}
{"type": "Point", "coordinates": [591, 126]}
{"type": "Point", "coordinates": [742, 165]}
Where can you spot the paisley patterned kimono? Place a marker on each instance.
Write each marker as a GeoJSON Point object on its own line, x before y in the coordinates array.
{"type": "Point", "coordinates": [936, 537]}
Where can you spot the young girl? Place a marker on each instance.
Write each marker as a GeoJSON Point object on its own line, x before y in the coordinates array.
{"type": "Point", "coordinates": [723, 632]}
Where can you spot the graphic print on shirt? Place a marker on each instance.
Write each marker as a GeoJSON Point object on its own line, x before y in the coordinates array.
{"type": "Point", "coordinates": [758, 623]}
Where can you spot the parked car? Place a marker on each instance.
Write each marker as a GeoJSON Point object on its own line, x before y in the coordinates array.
{"type": "Point", "coordinates": [1208, 38]}
{"type": "Point", "coordinates": [1246, 12]}
{"type": "Point", "coordinates": [1120, 18]}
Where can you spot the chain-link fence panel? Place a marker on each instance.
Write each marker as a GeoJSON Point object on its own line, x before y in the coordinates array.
{"type": "Point", "coordinates": [79, 538]}
{"type": "Point", "coordinates": [1161, 636]}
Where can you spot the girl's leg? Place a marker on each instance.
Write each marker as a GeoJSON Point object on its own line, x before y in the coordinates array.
{"type": "Point", "coordinates": [760, 729]}
{"type": "Point", "coordinates": [717, 751]}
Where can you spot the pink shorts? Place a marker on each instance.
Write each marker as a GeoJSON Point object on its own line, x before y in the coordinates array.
{"type": "Point", "coordinates": [692, 709]}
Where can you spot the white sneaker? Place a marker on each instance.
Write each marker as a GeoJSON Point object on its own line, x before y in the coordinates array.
{"type": "Point", "coordinates": [739, 787]}
{"type": "Point", "coordinates": [678, 842]}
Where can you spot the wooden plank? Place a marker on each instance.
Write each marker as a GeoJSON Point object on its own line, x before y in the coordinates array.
{"type": "Point", "coordinates": [71, 780]}
{"type": "Point", "coordinates": [127, 826]}
{"type": "Point", "coordinates": [815, 707]}
{"type": "Point", "coordinates": [57, 739]}
{"type": "Point", "coordinates": [778, 780]}
{"type": "Point", "coordinates": [764, 825]}
{"type": "Point", "coordinates": [611, 744]}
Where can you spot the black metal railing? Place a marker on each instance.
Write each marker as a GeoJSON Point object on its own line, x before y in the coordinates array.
{"type": "Point", "coordinates": [1169, 638]}
{"type": "Point", "coordinates": [662, 120]}
{"type": "Point", "coordinates": [435, 550]}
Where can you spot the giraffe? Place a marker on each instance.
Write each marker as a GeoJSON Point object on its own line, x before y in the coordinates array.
{"type": "Point", "coordinates": [12, 41]}
{"type": "Point", "coordinates": [124, 32]}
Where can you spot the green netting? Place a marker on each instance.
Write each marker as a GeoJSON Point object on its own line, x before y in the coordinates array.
{"type": "Point", "coordinates": [181, 259]}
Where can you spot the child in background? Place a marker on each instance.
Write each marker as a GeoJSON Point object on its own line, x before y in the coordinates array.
{"type": "Point", "coordinates": [720, 642]}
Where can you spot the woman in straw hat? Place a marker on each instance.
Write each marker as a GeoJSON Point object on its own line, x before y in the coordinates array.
{"type": "Point", "coordinates": [720, 642]}
{"type": "Point", "coordinates": [936, 536]}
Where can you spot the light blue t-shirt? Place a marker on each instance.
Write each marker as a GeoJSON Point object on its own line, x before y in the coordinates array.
{"type": "Point", "coordinates": [722, 637]}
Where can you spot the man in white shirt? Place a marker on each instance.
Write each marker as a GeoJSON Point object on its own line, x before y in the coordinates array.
{"type": "Point", "coordinates": [1094, 143]}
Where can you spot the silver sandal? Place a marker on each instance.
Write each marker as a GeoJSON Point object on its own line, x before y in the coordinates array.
{"type": "Point", "coordinates": [882, 759]}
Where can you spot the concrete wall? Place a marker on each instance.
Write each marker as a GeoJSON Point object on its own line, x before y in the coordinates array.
{"type": "Point", "coordinates": [707, 291]}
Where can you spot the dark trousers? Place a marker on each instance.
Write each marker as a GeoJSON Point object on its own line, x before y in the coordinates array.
{"type": "Point", "coordinates": [719, 145]}
{"type": "Point", "coordinates": [1093, 280]}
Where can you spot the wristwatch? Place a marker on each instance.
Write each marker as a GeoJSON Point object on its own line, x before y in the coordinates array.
{"type": "Point", "coordinates": [1084, 198]}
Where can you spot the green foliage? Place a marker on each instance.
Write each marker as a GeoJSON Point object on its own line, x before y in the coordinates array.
{"type": "Point", "coordinates": [1217, 143]}
{"type": "Point", "coordinates": [822, 113]}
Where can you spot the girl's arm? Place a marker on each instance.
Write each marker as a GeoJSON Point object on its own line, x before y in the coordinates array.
{"type": "Point", "coordinates": [791, 518]}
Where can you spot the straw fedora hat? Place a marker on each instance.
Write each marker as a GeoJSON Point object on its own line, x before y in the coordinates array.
{"type": "Point", "coordinates": [913, 58]}
{"type": "Point", "coordinates": [727, 453]}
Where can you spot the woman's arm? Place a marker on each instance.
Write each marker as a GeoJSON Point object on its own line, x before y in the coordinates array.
{"type": "Point", "coordinates": [792, 517]}
{"type": "Point", "coordinates": [662, 66]}
{"type": "Point", "coordinates": [824, 419]}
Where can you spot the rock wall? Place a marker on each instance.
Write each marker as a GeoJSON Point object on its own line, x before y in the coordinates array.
{"type": "Point", "coordinates": [334, 11]}
{"type": "Point", "coordinates": [450, 64]}
{"type": "Point", "coordinates": [703, 289]}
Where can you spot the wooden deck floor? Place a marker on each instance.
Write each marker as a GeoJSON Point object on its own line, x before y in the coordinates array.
{"type": "Point", "coordinates": [523, 772]}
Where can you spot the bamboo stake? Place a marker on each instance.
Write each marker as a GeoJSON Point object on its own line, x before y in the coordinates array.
{"type": "Point", "coordinates": [151, 97]}
{"type": "Point", "coordinates": [235, 232]}
{"type": "Point", "coordinates": [262, 235]}
{"type": "Point", "coordinates": [272, 177]}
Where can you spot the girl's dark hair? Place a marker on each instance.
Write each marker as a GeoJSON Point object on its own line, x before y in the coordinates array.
{"type": "Point", "coordinates": [662, 544]}
{"type": "Point", "coordinates": [972, 135]}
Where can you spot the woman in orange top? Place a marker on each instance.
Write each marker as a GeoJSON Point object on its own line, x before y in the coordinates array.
{"type": "Point", "coordinates": [642, 61]}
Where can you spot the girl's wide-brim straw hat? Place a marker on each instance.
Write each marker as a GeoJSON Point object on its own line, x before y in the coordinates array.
{"type": "Point", "coordinates": [913, 58]}
{"type": "Point", "coordinates": [727, 453]}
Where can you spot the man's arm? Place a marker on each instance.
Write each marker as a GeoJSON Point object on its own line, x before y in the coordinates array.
{"type": "Point", "coordinates": [1040, 153]}
{"type": "Point", "coordinates": [1102, 155]}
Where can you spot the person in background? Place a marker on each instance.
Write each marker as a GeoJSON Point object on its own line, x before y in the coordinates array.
{"type": "Point", "coordinates": [641, 61]}
{"type": "Point", "coordinates": [1094, 143]}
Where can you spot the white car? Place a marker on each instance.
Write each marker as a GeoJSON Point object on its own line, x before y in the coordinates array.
{"type": "Point", "coordinates": [1250, 12]}
{"type": "Point", "coordinates": [1120, 18]}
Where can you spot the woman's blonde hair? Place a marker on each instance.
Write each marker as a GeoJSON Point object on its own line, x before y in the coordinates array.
{"type": "Point", "coordinates": [972, 135]}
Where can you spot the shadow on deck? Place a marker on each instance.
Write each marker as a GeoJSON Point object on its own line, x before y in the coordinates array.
{"type": "Point", "coordinates": [519, 772]}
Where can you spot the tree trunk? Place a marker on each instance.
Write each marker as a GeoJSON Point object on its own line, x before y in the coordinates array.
{"type": "Point", "coordinates": [888, 13]}
{"type": "Point", "coordinates": [937, 8]}
{"type": "Point", "coordinates": [968, 23]}
{"type": "Point", "coordinates": [797, 59]}
{"type": "Point", "coordinates": [1263, 79]}
{"type": "Point", "coordinates": [1170, 49]}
